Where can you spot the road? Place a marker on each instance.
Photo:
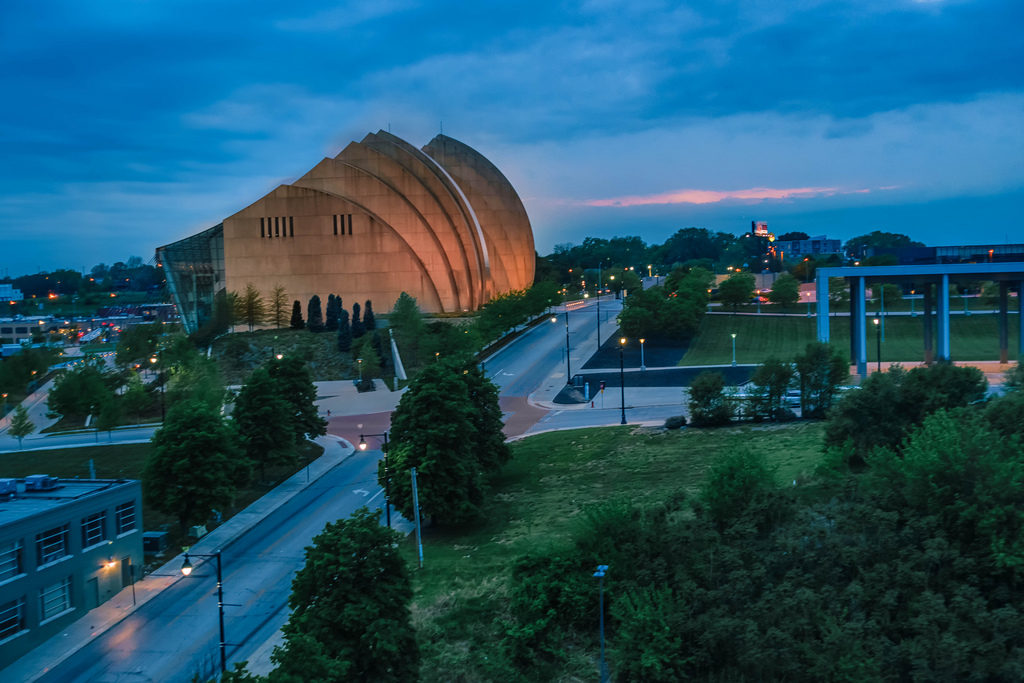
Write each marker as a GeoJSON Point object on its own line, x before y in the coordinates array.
{"type": "Point", "coordinates": [175, 634]}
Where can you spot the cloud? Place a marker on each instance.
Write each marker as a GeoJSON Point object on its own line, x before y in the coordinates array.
{"type": "Point", "coordinates": [755, 194]}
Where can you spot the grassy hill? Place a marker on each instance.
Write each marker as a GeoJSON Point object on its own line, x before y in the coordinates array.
{"type": "Point", "coordinates": [549, 481]}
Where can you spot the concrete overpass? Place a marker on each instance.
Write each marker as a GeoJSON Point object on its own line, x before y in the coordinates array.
{"type": "Point", "coordinates": [933, 281]}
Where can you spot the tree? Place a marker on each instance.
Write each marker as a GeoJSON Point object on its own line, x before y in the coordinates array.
{"type": "Point", "coordinates": [357, 325]}
{"type": "Point", "coordinates": [293, 382]}
{"type": "Point", "coordinates": [370, 365]}
{"type": "Point", "coordinates": [278, 306]}
{"type": "Point", "coordinates": [889, 404]}
{"type": "Point", "coordinates": [785, 290]}
{"type": "Point", "coordinates": [333, 307]}
{"type": "Point", "coordinates": [771, 380]}
{"type": "Point", "coordinates": [406, 321]}
{"type": "Point", "coordinates": [859, 245]}
{"type": "Point", "coordinates": [821, 369]}
{"type": "Point", "coordinates": [486, 417]}
{"type": "Point", "coordinates": [344, 332]}
{"type": "Point", "coordinates": [194, 466]}
{"type": "Point", "coordinates": [21, 424]}
{"type": "Point", "coordinates": [263, 418]}
{"type": "Point", "coordinates": [137, 342]}
{"type": "Point", "coordinates": [314, 315]}
{"type": "Point", "coordinates": [708, 405]}
{"type": "Point", "coordinates": [793, 236]}
{"type": "Point", "coordinates": [1013, 379]}
{"type": "Point", "coordinates": [737, 289]}
{"type": "Point", "coordinates": [136, 398]}
{"type": "Point", "coordinates": [369, 321]}
{"type": "Point", "coordinates": [109, 414]}
{"type": "Point", "coordinates": [249, 307]}
{"type": "Point", "coordinates": [838, 292]}
{"type": "Point", "coordinates": [432, 430]}
{"type": "Point", "coordinates": [297, 323]}
{"type": "Point", "coordinates": [350, 603]}
{"type": "Point", "coordinates": [79, 392]}
{"type": "Point", "coordinates": [734, 483]}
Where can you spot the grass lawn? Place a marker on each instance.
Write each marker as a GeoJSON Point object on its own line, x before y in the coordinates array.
{"type": "Point", "coordinates": [241, 352]}
{"type": "Point", "coordinates": [127, 461]}
{"type": "Point", "coordinates": [974, 337]}
{"type": "Point", "coordinates": [552, 477]}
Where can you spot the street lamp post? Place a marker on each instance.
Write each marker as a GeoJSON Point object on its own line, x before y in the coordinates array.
{"type": "Point", "coordinates": [642, 366]}
{"type": "Point", "coordinates": [568, 367]}
{"type": "Point", "coordinates": [758, 292]}
{"type": "Point", "coordinates": [359, 362]}
{"type": "Point", "coordinates": [878, 342]}
{"type": "Point", "coordinates": [602, 569]}
{"type": "Point", "coordinates": [599, 321]}
{"type": "Point", "coordinates": [186, 569]}
{"type": "Point", "coordinates": [622, 380]}
{"type": "Point", "coordinates": [387, 473]}
{"type": "Point", "coordinates": [912, 314]}
{"type": "Point", "coordinates": [734, 348]}
{"type": "Point", "coordinates": [160, 374]}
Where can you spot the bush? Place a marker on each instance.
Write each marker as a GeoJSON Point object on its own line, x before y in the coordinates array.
{"type": "Point", "coordinates": [675, 422]}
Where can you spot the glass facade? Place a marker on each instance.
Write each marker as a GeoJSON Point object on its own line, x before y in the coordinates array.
{"type": "Point", "coordinates": [194, 268]}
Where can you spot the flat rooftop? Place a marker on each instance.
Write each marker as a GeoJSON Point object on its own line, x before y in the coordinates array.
{"type": "Point", "coordinates": [25, 504]}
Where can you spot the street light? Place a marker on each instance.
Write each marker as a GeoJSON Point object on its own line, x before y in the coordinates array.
{"type": "Point", "coordinates": [734, 348]}
{"type": "Point", "coordinates": [186, 569]}
{"type": "Point", "coordinates": [152, 361]}
{"type": "Point", "coordinates": [758, 292]}
{"type": "Point", "coordinates": [642, 367]}
{"type": "Point", "coordinates": [387, 473]}
{"type": "Point", "coordinates": [568, 368]}
{"type": "Point", "coordinates": [359, 362]}
{"type": "Point", "coordinates": [878, 342]}
{"type": "Point", "coordinates": [602, 569]}
{"type": "Point", "coordinates": [648, 270]}
{"type": "Point", "coordinates": [622, 380]}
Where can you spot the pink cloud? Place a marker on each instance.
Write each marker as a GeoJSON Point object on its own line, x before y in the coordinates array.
{"type": "Point", "coordinates": [713, 196]}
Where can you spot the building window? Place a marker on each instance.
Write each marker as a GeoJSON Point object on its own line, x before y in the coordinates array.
{"type": "Point", "coordinates": [55, 599]}
{"type": "Point", "coordinates": [12, 618]}
{"type": "Point", "coordinates": [291, 226]}
{"type": "Point", "coordinates": [335, 217]}
{"type": "Point", "coordinates": [350, 224]}
{"type": "Point", "coordinates": [51, 545]}
{"type": "Point", "coordinates": [10, 560]}
{"type": "Point", "coordinates": [263, 232]}
{"type": "Point", "coordinates": [125, 517]}
{"type": "Point", "coordinates": [277, 226]}
{"type": "Point", "coordinates": [94, 529]}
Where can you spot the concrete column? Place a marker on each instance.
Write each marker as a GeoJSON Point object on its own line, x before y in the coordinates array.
{"type": "Point", "coordinates": [944, 354]}
{"type": "Point", "coordinates": [1004, 336]}
{"type": "Point", "coordinates": [858, 332]}
{"type": "Point", "coordinates": [821, 287]}
{"type": "Point", "coordinates": [1020, 321]}
{"type": "Point", "coordinates": [929, 342]}
{"type": "Point", "coordinates": [851, 282]}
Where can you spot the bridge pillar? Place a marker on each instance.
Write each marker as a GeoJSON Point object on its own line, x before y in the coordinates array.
{"type": "Point", "coordinates": [944, 354]}
{"type": "Point", "coordinates": [929, 342]}
{"type": "Point", "coordinates": [858, 333]}
{"type": "Point", "coordinates": [1004, 337]}
{"type": "Point", "coordinates": [821, 285]}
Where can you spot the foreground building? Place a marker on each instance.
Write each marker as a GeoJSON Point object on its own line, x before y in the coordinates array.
{"type": "Point", "coordinates": [382, 217]}
{"type": "Point", "coordinates": [66, 546]}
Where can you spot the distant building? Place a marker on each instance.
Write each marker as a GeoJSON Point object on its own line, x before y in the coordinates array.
{"type": "Point", "coordinates": [9, 293]}
{"type": "Point", "coordinates": [977, 253]}
{"type": "Point", "coordinates": [759, 228]}
{"type": "Point", "coordinates": [812, 246]}
{"type": "Point", "coordinates": [66, 546]}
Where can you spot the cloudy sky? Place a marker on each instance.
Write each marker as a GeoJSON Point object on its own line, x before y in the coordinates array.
{"type": "Point", "coordinates": [126, 125]}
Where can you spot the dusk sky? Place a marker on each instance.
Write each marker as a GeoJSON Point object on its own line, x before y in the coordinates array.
{"type": "Point", "coordinates": [127, 125]}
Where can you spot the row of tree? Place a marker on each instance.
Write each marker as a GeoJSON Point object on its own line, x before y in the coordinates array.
{"type": "Point", "coordinates": [200, 459]}
{"type": "Point", "coordinates": [818, 372]}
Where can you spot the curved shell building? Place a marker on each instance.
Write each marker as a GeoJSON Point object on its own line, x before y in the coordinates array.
{"type": "Point", "coordinates": [382, 217]}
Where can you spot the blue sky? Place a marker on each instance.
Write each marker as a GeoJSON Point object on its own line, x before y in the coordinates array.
{"type": "Point", "coordinates": [127, 125]}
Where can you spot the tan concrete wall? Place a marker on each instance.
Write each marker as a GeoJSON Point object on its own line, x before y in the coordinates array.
{"type": "Point", "coordinates": [450, 231]}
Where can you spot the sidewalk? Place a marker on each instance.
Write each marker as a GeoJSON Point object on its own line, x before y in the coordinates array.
{"type": "Point", "coordinates": [97, 621]}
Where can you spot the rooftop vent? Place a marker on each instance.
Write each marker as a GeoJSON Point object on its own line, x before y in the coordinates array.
{"type": "Point", "coordinates": [40, 482]}
{"type": "Point", "coordinates": [8, 488]}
